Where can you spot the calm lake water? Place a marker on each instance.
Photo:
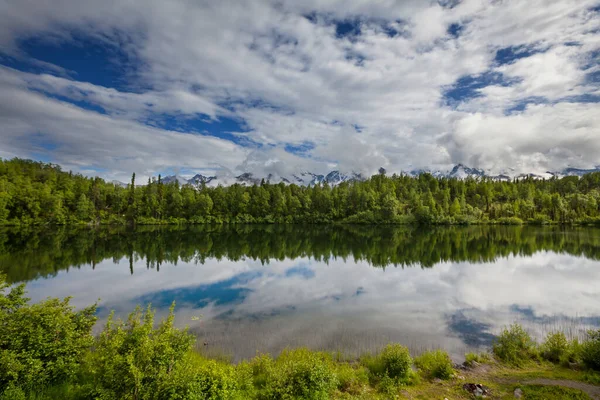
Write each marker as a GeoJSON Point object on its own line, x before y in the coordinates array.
{"type": "Point", "coordinates": [346, 288]}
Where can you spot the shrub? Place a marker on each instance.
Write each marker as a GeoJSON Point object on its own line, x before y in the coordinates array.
{"type": "Point", "coordinates": [133, 359]}
{"type": "Point", "coordinates": [555, 347]}
{"type": "Point", "coordinates": [480, 358]}
{"type": "Point", "coordinates": [13, 393]}
{"type": "Point", "coordinates": [435, 364]}
{"type": "Point", "coordinates": [351, 378]}
{"type": "Point", "coordinates": [393, 362]}
{"type": "Point", "coordinates": [40, 344]}
{"type": "Point", "coordinates": [197, 378]}
{"type": "Point", "coordinates": [514, 346]}
{"type": "Point", "coordinates": [296, 374]}
{"type": "Point", "coordinates": [590, 350]}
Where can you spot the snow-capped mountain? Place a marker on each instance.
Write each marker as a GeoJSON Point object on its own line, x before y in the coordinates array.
{"type": "Point", "coordinates": [305, 178]}
{"type": "Point", "coordinates": [460, 171]}
{"type": "Point", "coordinates": [576, 171]}
{"type": "Point", "coordinates": [119, 183]}
{"type": "Point", "coordinates": [200, 179]}
{"type": "Point", "coordinates": [336, 177]}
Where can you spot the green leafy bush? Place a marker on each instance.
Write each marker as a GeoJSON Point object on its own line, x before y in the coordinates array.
{"type": "Point", "coordinates": [351, 378]}
{"type": "Point", "coordinates": [197, 378]}
{"type": "Point", "coordinates": [514, 346]}
{"type": "Point", "coordinates": [393, 362]}
{"type": "Point", "coordinates": [435, 364]}
{"type": "Point", "coordinates": [590, 350]}
{"type": "Point", "coordinates": [481, 358]}
{"type": "Point", "coordinates": [40, 344]}
{"type": "Point", "coordinates": [295, 374]}
{"type": "Point", "coordinates": [132, 359]}
{"type": "Point", "coordinates": [555, 348]}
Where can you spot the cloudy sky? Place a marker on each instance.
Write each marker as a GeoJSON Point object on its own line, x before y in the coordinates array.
{"type": "Point", "coordinates": [275, 86]}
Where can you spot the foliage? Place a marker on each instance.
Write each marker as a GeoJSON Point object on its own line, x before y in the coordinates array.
{"type": "Point", "coordinates": [514, 346]}
{"type": "Point", "coordinates": [295, 374]}
{"type": "Point", "coordinates": [40, 344]}
{"type": "Point", "coordinates": [197, 378]}
{"type": "Point", "coordinates": [135, 360]}
{"type": "Point", "coordinates": [480, 358]}
{"type": "Point", "coordinates": [40, 193]}
{"type": "Point", "coordinates": [590, 350]}
{"type": "Point", "coordinates": [555, 348]}
{"type": "Point", "coordinates": [435, 364]}
{"type": "Point", "coordinates": [352, 378]}
{"type": "Point", "coordinates": [393, 362]}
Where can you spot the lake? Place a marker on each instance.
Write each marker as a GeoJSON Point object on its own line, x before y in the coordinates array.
{"type": "Point", "coordinates": [248, 288]}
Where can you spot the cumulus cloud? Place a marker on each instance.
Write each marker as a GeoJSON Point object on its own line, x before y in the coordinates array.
{"type": "Point", "coordinates": [375, 97]}
{"type": "Point", "coordinates": [34, 123]}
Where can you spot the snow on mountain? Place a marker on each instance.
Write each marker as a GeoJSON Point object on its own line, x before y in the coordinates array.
{"type": "Point", "coordinates": [461, 172]}
{"type": "Point", "coordinates": [336, 177]}
{"type": "Point", "coordinates": [199, 179]}
{"type": "Point", "coordinates": [119, 183]}
{"type": "Point", "coordinates": [578, 171]}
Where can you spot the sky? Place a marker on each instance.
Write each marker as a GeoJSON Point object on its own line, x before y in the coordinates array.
{"type": "Point", "coordinates": [280, 86]}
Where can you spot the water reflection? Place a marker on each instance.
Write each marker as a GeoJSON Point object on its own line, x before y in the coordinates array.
{"type": "Point", "coordinates": [265, 288]}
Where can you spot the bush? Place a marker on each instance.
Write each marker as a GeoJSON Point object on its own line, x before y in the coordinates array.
{"type": "Point", "coordinates": [555, 348]}
{"type": "Point", "coordinates": [295, 374]}
{"type": "Point", "coordinates": [393, 362]}
{"type": "Point", "coordinates": [590, 350]}
{"type": "Point", "coordinates": [40, 344]}
{"type": "Point", "coordinates": [351, 378]}
{"type": "Point", "coordinates": [133, 359]}
{"type": "Point", "coordinates": [514, 346]}
{"type": "Point", "coordinates": [435, 364]}
{"type": "Point", "coordinates": [480, 358]}
{"type": "Point", "coordinates": [197, 378]}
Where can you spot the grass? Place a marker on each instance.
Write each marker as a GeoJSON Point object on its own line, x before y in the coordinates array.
{"type": "Point", "coordinates": [539, 392]}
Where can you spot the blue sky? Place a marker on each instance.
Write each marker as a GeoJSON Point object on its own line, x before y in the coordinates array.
{"type": "Point", "coordinates": [277, 87]}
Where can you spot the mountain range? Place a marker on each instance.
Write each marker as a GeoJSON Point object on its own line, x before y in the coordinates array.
{"type": "Point", "coordinates": [336, 177]}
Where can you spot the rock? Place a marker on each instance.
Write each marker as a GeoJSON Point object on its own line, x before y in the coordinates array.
{"type": "Point", "coordinates": [460, 377]}
{"type": "Point", "coordinates": [477, 389]}
{"type": "Point", "coordinates": [518, 393]}
{"type": "Point", "coordinates": [437, 380]}
{"type": "Point", "coordinates": [462, 367]}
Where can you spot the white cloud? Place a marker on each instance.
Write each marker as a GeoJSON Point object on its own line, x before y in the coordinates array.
{"type": "Point", "coordinates": [80, 139]}
{"type": "Point", "coordinates": [293, 81]}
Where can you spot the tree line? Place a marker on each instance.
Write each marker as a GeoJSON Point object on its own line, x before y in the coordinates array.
{"type": "Point", "coordinates": [40, 193]}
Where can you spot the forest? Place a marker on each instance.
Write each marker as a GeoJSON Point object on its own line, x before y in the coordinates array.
{"type": "Point", "coordinates": [34, 193]}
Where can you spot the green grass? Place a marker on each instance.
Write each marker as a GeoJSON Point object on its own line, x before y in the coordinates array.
{"type": "Point", "coordinates": [539, 392]}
